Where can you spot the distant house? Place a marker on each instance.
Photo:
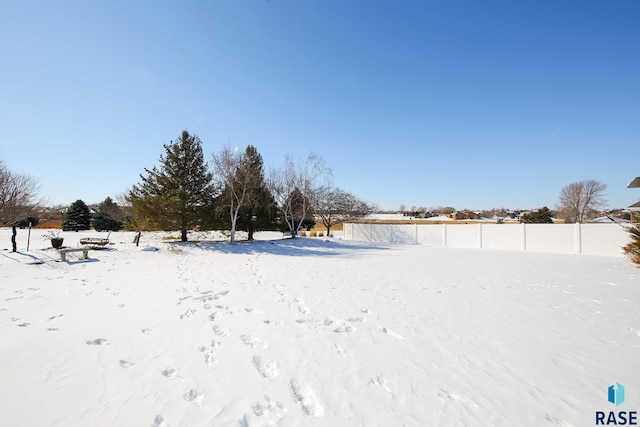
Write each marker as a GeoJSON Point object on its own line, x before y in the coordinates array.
{"type": "Point", "coordinates": [464, 215]}
{"type": "Point", "coordinates": [608, 219]}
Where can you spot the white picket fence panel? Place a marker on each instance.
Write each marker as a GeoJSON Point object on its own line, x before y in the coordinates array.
{"type": "Point", "coordinates": [587, 239]}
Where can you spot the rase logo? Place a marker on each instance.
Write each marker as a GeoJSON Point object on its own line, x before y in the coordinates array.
{"type": "Point", "coordinates": [615, 395]}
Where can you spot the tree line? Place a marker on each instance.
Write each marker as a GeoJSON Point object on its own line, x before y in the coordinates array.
{"type": "Point", "coordinates": [183, 192]}
{"type": "Point", "coordinates": [234, 192]}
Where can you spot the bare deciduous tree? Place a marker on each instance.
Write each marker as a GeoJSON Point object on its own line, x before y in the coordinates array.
{"type": "Point", "coordinates": [17, 194]}
{"type": "Point", "coordinates": [294, 187]}
{"type": "Point", "coordinates": [235, 178]}
{"type": "Point", "coordinates": [335, 206]}
{"type": "Point", "coordinates": [580, 200]}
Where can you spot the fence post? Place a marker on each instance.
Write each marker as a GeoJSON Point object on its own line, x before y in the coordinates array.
{"type": "Point", "coordinates": [444, 234]}
{"type": "Point", "coordinates": [578, 231]}
{"type": "Point", "coordinates": [523, 236]}
{"type": "Point", "coordinates": [416, 232]}
{"type": "Point", "coordinates": [480, 235]}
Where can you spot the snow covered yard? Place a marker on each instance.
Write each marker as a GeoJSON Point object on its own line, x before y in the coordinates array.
{"type": "Point", "coordinates": [312, 332]}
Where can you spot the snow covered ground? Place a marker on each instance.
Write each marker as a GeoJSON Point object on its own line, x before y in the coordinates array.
{"type": "Point", "coordinates": [317, 332]}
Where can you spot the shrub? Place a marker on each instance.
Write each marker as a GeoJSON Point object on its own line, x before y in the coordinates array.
{"type": "Point", "coordinates": [632, 249]}
{"type": "Point", "coordinates": [24, 223]}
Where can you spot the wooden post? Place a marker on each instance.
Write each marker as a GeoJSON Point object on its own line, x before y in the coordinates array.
{"type": "Point", "coordinates": [29, 236]}
{"type": "Point", "coordinates": [13, 238]}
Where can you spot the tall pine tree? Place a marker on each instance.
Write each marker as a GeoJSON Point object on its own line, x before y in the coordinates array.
{"type": "Point", "coordinates": [178, 194]}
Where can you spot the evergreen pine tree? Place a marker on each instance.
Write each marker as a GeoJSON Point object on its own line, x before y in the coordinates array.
{"type": "Point", "coordinates": [260, 210]}
{"type": "Point", "coordinates": [632, 249]}
{"type": "Point", "coordinates": [108, 216]}
{"type": "Point", "coordinates": [78, 217]}
{"type": "Point", "coordinates": [541, 216]}
{"type": "Point", "coordinates": [178, 194]}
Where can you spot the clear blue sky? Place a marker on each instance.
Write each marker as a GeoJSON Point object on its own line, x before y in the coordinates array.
{"type": "Point", "coordinates": [471, 104]}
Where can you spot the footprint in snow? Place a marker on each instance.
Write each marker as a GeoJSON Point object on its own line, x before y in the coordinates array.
{"type": "Point", "coordinates": [253, 342]}
{"type": "Point", "coordinates": [97, 341]}
{"type": "Point", "coordinates": [453, 397]}
{"type": "Point", "coordinates": [24, 325]}
{"type": "Point", "coordinates": [159, 422]}
{"type": "Point", "coordinates": [194, 396]}
{"type": "Point", "coordinates": [304, 310]}
{"type": "Point", "coordinates": [268, 413]}
{"type": "Point", "coordinates": [342, 352]}
{"type": "Point", "coordinates": [391, 333]}
{"type": "Point", "coordinates": [303, 394]}
{"type": "Point", "coordinates": [220, 294]}
{"type": "Point", "coordinates": [169, 372]}
{"type": "Point", "coordinates": [380, 381]}
{"type": "Point", "coordinates": [209, 359]}
{"type": "Point", "coordinates": [126, 364]}
{"type": "Point", "coordinates": [266, 369]}
{"type": "Point", "coordinates": [220, 331]}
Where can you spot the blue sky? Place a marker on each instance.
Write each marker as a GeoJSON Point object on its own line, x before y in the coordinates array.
{"type": "Point", "coordinates": [471, 104]}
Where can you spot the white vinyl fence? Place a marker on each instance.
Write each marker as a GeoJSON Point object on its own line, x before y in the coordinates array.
{"type": "Point", "coordinates": [588, 239]}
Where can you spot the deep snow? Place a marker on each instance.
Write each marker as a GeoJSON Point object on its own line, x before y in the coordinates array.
{"type": "Point", "coordinates": [311, 332]}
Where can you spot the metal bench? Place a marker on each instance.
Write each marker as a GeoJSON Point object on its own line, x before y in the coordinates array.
{"type": "Point", "coordinates": [94, 241]}
{"type": "Point", "coordinates": [63, 253]}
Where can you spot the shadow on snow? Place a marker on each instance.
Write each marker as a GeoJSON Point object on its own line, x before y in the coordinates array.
{"type": "Point", "coordinates": [287, 247]}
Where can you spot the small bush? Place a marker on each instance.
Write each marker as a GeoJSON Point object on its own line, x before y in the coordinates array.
{"type": "Point", "coordinates": [312, 234]}
{"type": "Point", "coordinates": [632, 249]}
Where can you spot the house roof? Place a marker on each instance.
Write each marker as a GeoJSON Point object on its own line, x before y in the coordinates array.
{"type": "Point", "coordinates": [609, 219]}
{"type": "Point", "coordinates": [635, 183]}
{"type": "Point", "coordinates": [634, 207]}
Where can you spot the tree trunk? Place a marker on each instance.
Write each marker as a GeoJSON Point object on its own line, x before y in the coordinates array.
{"type": "Point", "coordinates": [183, 236]}
{"type": "Point", "coordinates": [13, 238]}
{"type": "Point", "coordinates": [234, 220]}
